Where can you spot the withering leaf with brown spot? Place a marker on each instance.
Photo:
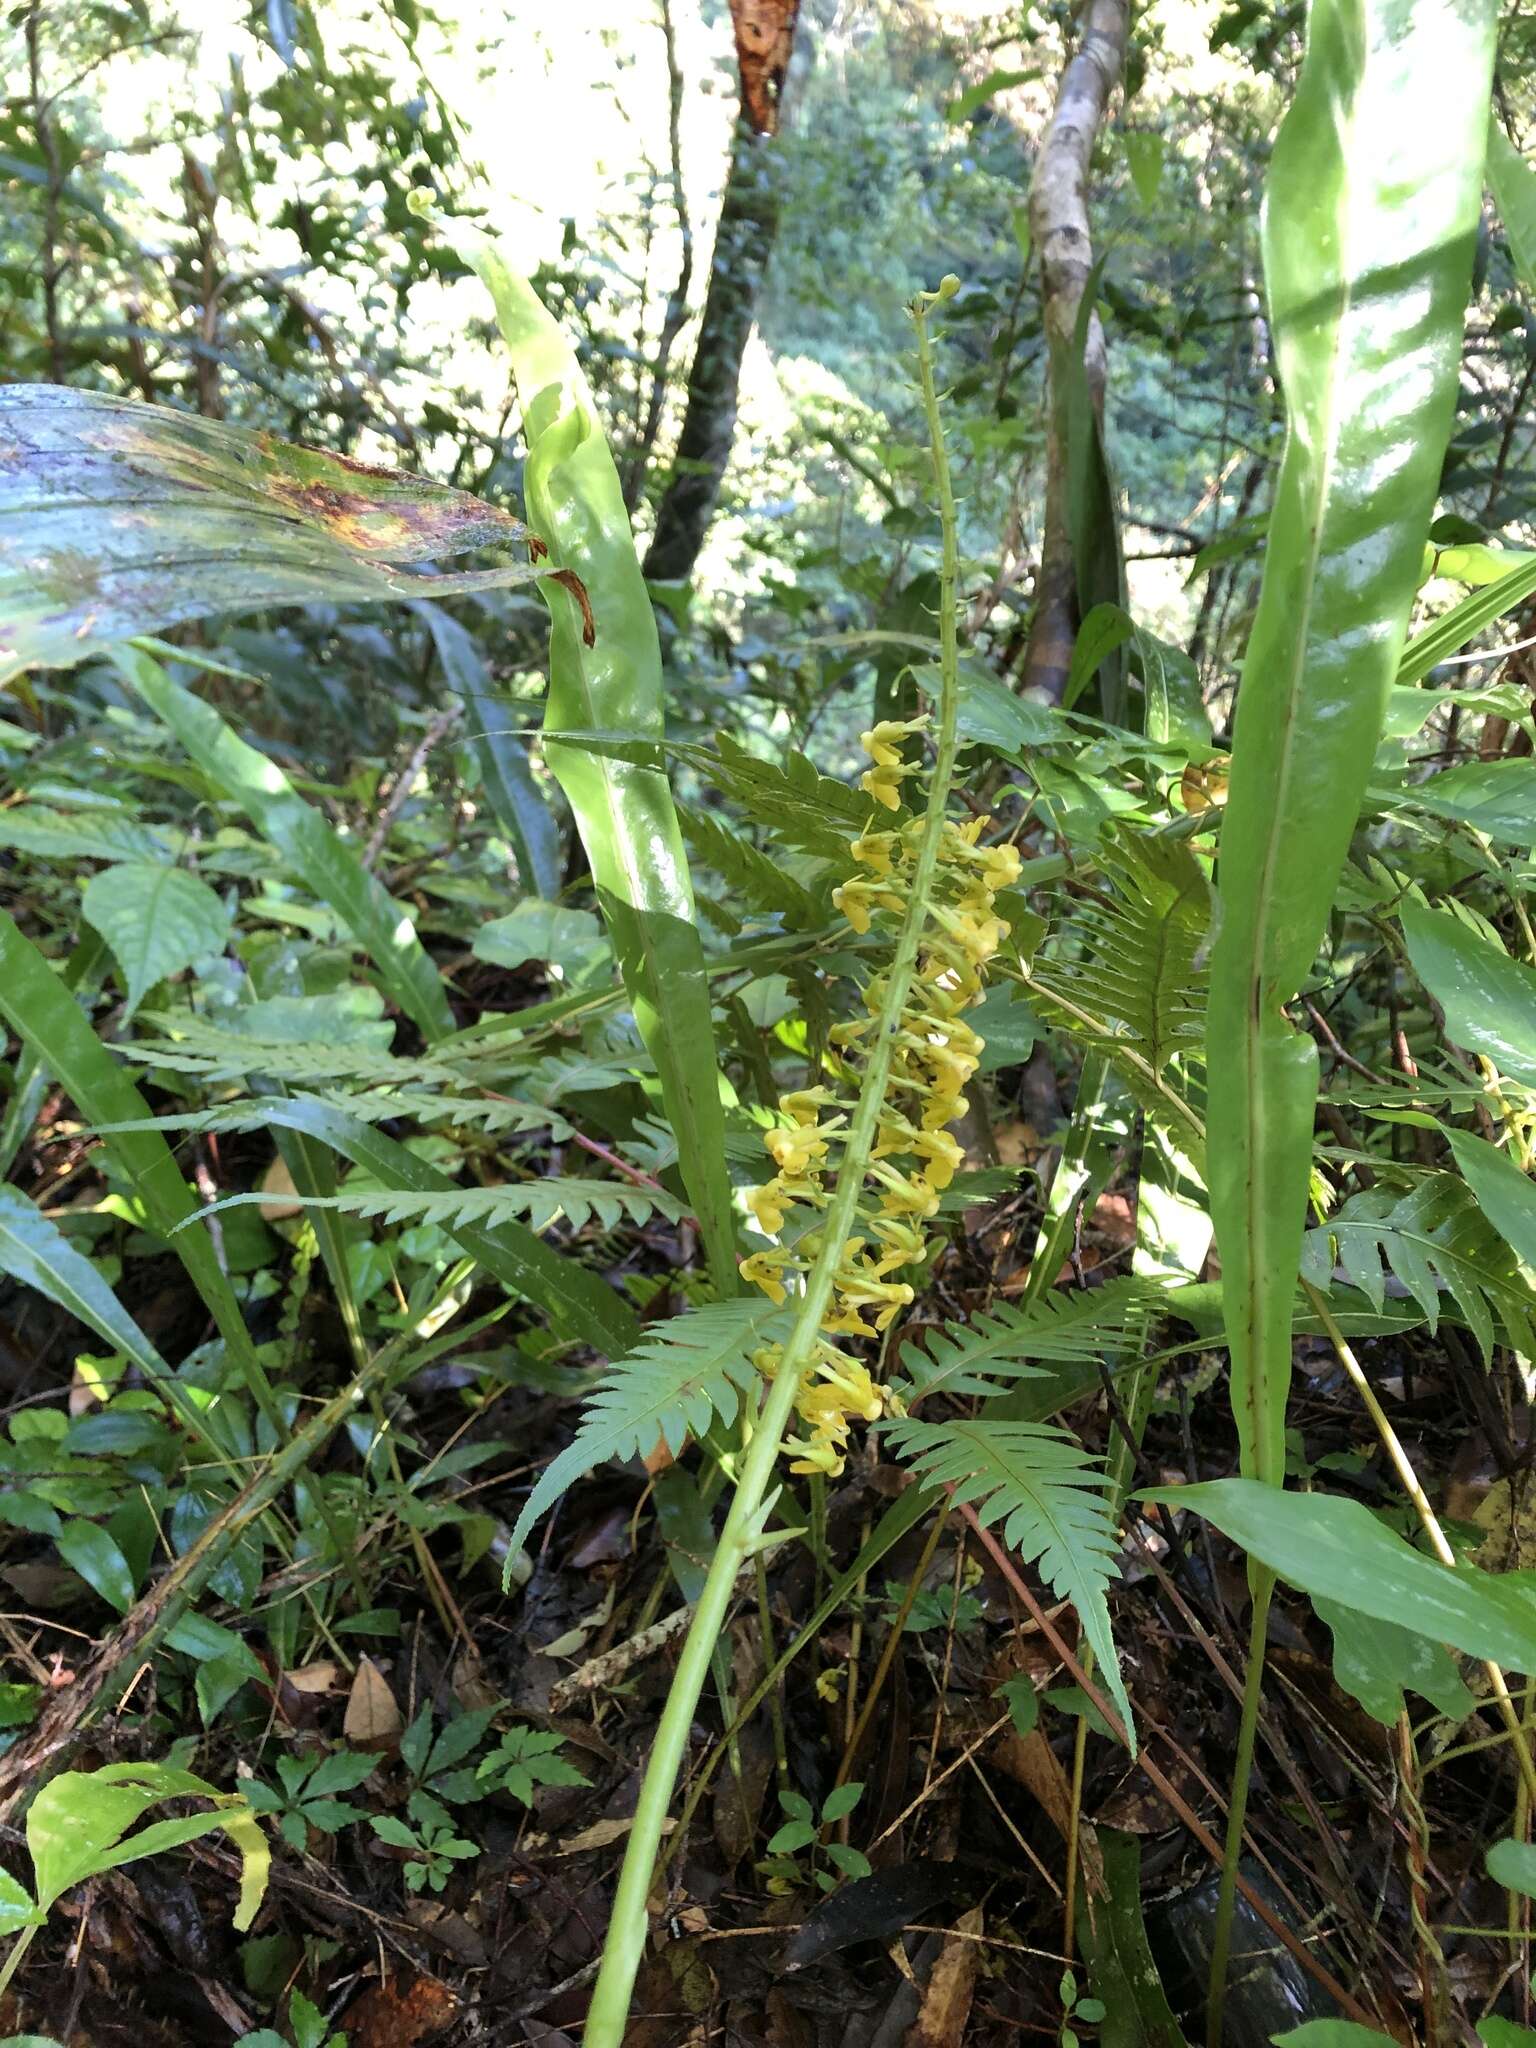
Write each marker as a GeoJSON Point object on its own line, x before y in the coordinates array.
{"type": "Point", "coordinates": [400, 2013]}
{"type": "Point", "coordinates": [118, 519]}
{"type": "Point", "coordinates": [373, 1720]}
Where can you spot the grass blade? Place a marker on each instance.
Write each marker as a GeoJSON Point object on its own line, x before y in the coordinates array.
{"type": "Point", "coordinates": [520, 808]}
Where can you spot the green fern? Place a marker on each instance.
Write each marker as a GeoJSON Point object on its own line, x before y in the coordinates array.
{"type": "Point", "coordinates": [1061, 1329]}
{"type": "Point", "coordinates": [760, 881]}
{"type": "Point", "coordinates": [538, 1203]}
{"type": "Point", "coordinates": [1050, 1497]}
{"type": "Point", "coordinates": [1127, 977]}
{"type": "Point", "coordinates": [686, 1373]}
{"type": "Point", "coordinates": [1433, 1238]}
{"type": "Point", "coordinates": [370, 1106]}
{"type": "Point", "coordinates": [805, 810]}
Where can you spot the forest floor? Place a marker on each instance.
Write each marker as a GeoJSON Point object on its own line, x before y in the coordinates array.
{"type": "Point", "coordinates": [966, 1809]}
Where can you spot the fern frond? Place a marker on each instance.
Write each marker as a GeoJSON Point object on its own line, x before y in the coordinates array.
{"type": "Point", "coordinates": [371, 1106]}
{"type": "Point", "coordinates": [759, 881]}
{"type": "Point", "coordinates": [805, 809]}
{"type": "Point", "coordinates": [538, 1203]}
{"type": "Point", "coordinates": [201, 1048]}
{"type": "Point", "coordinates": [689, 1370]}
{"type": "Point", "coordinates": [1434, 1238]}
{"type": "Point", "coordinates": [1060, 1329]}
{"type": "Point", "coordinates": [1051, 1499]}
{"type": "Point", "coordinates": [1127, 976]}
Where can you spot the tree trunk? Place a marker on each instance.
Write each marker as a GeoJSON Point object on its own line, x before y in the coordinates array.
{"type": "Point", "coordinates": [749, 221]}
{"type": "Point", "coordinates": [1058, 218]}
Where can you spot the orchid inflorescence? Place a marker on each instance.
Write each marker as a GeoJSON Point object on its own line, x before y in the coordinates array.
{"type": "Point", "coordinates": [935, 1053]}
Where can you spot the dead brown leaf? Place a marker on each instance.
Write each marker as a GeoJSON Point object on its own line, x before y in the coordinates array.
{"type": "Point", "coordinates": [373, 1719]}
{"type": "Point", "coordinates": [946, 2007]}
{"type": "Point", "coordinates": [400, 2013]}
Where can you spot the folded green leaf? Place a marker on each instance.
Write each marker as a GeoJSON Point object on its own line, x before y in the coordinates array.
{"type": "Point", "coordinates": [1489, 1000]}
{"type": "Point", "coordinates": [501, 752]}
{"type": "Point", "coordinates": [1370, 219]}
{"type": "Point", "coordinates": [605, 673]}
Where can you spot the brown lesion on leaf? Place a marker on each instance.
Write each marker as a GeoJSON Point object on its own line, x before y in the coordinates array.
{"type": "Point", "coordinates": [569, 580]}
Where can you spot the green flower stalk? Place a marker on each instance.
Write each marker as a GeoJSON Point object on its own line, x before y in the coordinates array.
{"type": "Point", "coordinates": [933, 882]}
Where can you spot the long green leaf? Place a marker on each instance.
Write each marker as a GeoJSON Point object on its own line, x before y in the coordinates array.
{"type": "Point", "coordinates": [605, 674]}
{"type": "Point", "coordinates": [41, 1009]}
{"type": "Point", "coordinates": [501, 752]}
{"type": "Point", "coordinates": [1324, 1544]}
{"type": "Point", "coordinates": [1370, 216]}
{"type": "Point", "coordinates": [305, 839]}
{"type": "Point", "coordinates": [36, 1252]}
{"type": "Point", "coordinates": [1512, 181]}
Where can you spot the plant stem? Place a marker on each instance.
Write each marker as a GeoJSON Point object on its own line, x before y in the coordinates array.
{"type": "Point", "coordinates": [741, 1536]}
{"type": "Point", "coordinates": [1262, 1581]}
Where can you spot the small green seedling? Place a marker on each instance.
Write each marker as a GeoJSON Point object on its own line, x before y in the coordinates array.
{"type": "Point", "coordinates": [524, 1759]}
{"type": "Point", "coordinates": [803, 1831]}
{"type": "Point", "coordinates": [306, 2029]}
{"type": "Point", "coordinates": [435, 1762]}
{"type": "Point", "coordinates": [1088, 2012]}
{"type": "Point", "coordinates": [434, 1847]}
{"type": "Point", "coordinates": [305, 1796]}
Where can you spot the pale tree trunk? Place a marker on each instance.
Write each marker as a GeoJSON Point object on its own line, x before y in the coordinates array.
{"type": "Point", "coordinates": [749, 221]}
{"type": "Point", "coordinates": [1059, 229]}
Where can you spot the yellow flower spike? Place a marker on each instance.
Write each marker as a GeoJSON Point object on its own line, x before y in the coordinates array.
{"type": "Point", "coordinates": [766, 1270]}
{"type": "Point", "coordinates": [806, 1104]}
{"type": "Point", "coordinates": [795, 1151]}
{"type": "Point", "coordinates": [943, 1155]}
{"type": "Point", "coordinates": [906, 1197]}
{"type": "Point", "coordinates": [767, 1206]}
{"type": "Point", "coordinates": [881, 742]}
{"type": "Point", "coordinates": [875, 850]}
{"type": "Point", "coordinates": [856, 1391]}
{"type": "Point", "coordinates": [883, 783]}
{"type": "Point", "coordinates": [858, 900]}
{"type": "Point", "coordinates": [811, 1457]}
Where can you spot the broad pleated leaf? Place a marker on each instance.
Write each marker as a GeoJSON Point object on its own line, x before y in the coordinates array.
{"type": "Point", "coordinates": [307, 841]}
{"type": "Point", "coordinates": [156, 919]}
{"type": "Point", "coordinates": [605, 673]}
{"type": "Point", "coordinates": [685, 1374]}
{"type": "Point", "coordinates": [118, 519]}
{"type": "Point", "coordinates": [1371, 214]}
